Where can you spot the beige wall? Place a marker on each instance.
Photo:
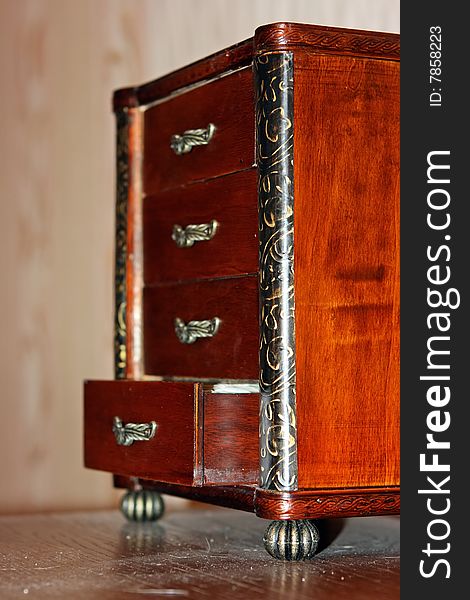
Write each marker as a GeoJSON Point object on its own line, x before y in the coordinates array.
{"type": "Point", "coordinates": [59, 62]}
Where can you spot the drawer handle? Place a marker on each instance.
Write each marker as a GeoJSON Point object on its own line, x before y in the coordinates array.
{"type": "Point", "coordinates": [184, 237]}
{"type": "Point", "coordinates": [128, 433]}
{"type": "Point", "coordinates": [182, 144]}
{"type": "Point", "coordinates": [188, 333]}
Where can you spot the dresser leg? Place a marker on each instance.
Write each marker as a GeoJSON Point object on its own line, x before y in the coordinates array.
{"type": "Point", "coordinates": [142, 505]}
{"type": "Point", "coordinates": [291, 540]}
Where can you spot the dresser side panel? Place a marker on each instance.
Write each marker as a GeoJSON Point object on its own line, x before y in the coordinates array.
{"type": "Point", "coordinates": [346, 161]}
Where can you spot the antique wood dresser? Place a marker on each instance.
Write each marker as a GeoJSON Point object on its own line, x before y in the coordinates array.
{"type": "Point", "coordinates": [257, 285]}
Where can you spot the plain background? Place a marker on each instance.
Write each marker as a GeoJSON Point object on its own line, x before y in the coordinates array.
{"type": "Point", "coordinates": [59, 62]}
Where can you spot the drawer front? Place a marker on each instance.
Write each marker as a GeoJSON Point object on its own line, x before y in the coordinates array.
{"type": "Point", "coordinates": [168, 456]}
{"type": "Point", "coordinates": [231, 352]}
{"type": "Point", "coordinates": [204, 230]}
{"type": "Point", "coordinates": [228, 104]}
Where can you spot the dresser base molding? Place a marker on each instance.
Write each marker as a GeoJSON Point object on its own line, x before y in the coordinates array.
{"type": "Point", "coordinates": [302, 504]}
{"type": "Point", "coordinates": [323, 504]}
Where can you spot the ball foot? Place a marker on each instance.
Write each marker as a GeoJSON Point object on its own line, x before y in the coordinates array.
{"type": "Point", "coordinates": [142, 506]}
{"type": "Point", "coordinates": [291, 540]}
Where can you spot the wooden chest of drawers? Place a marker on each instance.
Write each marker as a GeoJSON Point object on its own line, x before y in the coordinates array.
{"type": "Point", "coordinates": [257, 284]}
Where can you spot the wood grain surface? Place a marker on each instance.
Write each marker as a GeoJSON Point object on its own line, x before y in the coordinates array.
{"type": "Point", "coordinates": [347, 270]}
{"type": "Point", "coordinates": [231, 201]}
{"type": "Point", "coordinates": [191, 554]}
{"type": "Point", "coordinates": [232, 353]}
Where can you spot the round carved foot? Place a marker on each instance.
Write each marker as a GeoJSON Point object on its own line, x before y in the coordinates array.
{"type": "Point", "coordinates": [142, 505]}
{"type": "Point", "coordinates": [291, 540]}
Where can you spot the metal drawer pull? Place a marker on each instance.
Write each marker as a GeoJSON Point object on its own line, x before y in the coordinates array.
{"type": "Point", "coordinates": [188, 333]}
{"type": "Point", "coordinates": [184, 237]}
{"type": "Point", "coordinates": [128, 433]}
{"type": "Point", "coordinates": [182, 144]}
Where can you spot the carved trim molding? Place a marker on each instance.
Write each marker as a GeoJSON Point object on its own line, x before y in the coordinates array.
{"type": "Point", "coordinates": [309, 504]}
{"type": "Point", "coordinates": [122, 191]}
{"type": "Point", "coordinates": [275, 144]}
{"type": "Point", "coordinates": [328, 39]}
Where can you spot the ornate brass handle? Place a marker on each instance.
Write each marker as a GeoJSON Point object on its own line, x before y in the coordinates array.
{"type": "Point", "coordinates": [128, 433]}
{"type": "Point", "coordinates": [184, 237]}
{"type": "Point", "coordinates": [182, 144]}
{"type": "Point", "coordinates": [188, 333]}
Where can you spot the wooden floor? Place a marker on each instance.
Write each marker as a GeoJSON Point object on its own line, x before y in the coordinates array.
{"type": "Point", "coordinates": [211, 554]}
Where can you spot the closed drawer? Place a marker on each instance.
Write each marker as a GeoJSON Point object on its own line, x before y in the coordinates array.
{"type": "Point", "coordinates": [230, 353]}
{"type": "Point", "coordinates": [228, 104]}
{"type": "Point", "coordinates": [169, 456]}
{"type": "Point", "coordinates": [214, 226]}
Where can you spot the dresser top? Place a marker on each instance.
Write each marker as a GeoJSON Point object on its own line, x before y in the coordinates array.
{"type": "Point", "coordinates": [268, 38]}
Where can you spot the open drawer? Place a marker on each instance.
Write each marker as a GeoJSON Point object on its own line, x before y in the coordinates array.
{"type": "Point", "coordinates": [144, 429]}
{"type": "Point", "coordinates": [172, 432]}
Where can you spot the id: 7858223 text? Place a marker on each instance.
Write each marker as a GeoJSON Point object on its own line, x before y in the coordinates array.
{"type": "Point", "coordinates": [435, 65]}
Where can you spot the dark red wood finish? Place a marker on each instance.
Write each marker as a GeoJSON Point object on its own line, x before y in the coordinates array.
{"type": "Point", "coordinates": [267, 38]}
{"type": "Point", "coordinates": [231, 201]}
{"type": "Point", "coordinates": [347, 271]}
{"type": "Point", "coordinates": [231, 439]}
{"type": "Point", "coordinates": [227, 103]}
{"type": "Point", "coordinates": [170, 455]}
{"type": "Point", "coordinates": [231, 354]}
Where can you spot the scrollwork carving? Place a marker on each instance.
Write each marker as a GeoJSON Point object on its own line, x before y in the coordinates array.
{"type": "Point", "coordinates": [275, 143]}
{"type": "Point", "coordinates": [122, 189]}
